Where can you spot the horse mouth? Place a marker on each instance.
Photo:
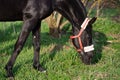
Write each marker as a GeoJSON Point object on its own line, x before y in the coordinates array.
{"type": "Point", "coordinates": [87, 57]}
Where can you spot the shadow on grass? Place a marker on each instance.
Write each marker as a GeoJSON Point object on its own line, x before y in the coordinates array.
{"type": "Point", "coordinates": [8, 38]}
{"type": "Point", "coordinates": [7, 35]}
{"type": "Point", "coordinates": [100, 40]}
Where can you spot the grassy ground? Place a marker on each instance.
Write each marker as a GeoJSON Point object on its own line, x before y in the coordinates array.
{"type": "Point", "coordinates": [59, 57]}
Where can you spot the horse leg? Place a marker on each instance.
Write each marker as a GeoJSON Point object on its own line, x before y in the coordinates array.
{"type": "Point", "coordinates": [26, 29]}
{"type": "Point", "coordinates": [36, 46]}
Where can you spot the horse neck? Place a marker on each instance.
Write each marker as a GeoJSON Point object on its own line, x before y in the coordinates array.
{"type": "Point", "coordinates": [82, 13]}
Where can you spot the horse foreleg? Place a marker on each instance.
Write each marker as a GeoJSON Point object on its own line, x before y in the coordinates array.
{"type": "Point", "coordinates": [26, 29]}
{"type": "Point", "coordinates": [36, 46]}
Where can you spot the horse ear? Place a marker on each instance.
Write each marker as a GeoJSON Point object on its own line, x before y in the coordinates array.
{"type": "Point", "coordinates": [92, 20]}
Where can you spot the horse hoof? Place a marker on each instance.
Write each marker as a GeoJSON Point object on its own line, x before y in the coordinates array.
{"type": "Point", "coordinates": [10, 75]}
{"type": "Point", "coordinates": [39, 68]}
{"type": "Point", "coordinates": [42, 69]}
{"type": "Point", "coordinates": [11, 78]}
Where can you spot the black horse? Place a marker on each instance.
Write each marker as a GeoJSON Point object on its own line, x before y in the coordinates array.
{"type": "Point", "coordinates": [32, 12]}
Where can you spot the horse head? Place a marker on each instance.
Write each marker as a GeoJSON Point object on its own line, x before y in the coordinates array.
{"type": "Point", "coordinates": [82, 40]}
{"type": "Point", "coordinates": [75, 12]}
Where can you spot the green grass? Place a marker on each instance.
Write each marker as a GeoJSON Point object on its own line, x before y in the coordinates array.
{"type": "Point", "coordinates": [60, 58]}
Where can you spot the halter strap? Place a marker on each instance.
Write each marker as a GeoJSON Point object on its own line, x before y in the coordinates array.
{"type": "Point", "coordinates": [83, 27]}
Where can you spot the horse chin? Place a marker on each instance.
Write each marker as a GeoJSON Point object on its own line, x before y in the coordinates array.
{"type": "Point", "coordinates": [86, 57]}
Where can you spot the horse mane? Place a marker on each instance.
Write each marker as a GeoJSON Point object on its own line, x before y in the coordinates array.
{"type": "Point", "coordinates": [82, 8]}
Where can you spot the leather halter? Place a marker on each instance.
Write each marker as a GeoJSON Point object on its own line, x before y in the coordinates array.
{"type": "Point", "coordinates": [83, 27]}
